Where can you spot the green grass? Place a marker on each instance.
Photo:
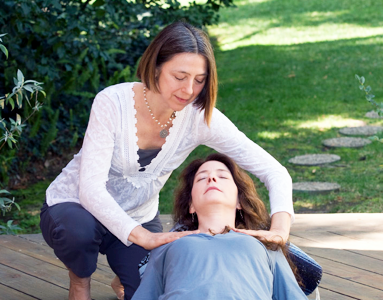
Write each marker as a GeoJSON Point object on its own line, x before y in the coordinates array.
{"type": "Point", "coordinates": [286, 72]}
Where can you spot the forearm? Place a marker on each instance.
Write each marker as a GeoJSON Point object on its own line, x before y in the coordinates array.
{"type": "Point", "coordinates": [280, 222]}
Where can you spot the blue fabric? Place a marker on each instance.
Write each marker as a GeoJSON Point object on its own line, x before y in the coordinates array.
{"type": "Point", "coordinates": [224, 266]}
{"type": "Point", "coordinates": [309, 270]}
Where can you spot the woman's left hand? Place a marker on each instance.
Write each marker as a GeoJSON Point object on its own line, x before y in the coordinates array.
{"type": "Point", "coordinates": [273, 236]}
{"type": "Point", "coordinates": [278, 233]}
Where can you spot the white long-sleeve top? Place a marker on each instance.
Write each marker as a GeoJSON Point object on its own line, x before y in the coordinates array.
{"type": "Point", "coordinates": [104, 176]}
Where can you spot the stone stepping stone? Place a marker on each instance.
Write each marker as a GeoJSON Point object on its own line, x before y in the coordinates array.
{"type": "Point", "coordinates": [349, 142]}
{"type": "Point", "coordinates": [314, 159]}
{"type": "Point", "coordinates": [373, 115]}
{"type": "Point", "coordinates": [361, 130]}
{"type": "Point", "coordinates": [315, 187]}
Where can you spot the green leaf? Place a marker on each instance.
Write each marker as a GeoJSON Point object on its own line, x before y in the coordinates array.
{"type": "Point", "coordinates": [361, 87]}
{"type": "Point", "coordinates": [5, 50]}
{"type": "Point", "coordinates": [4, 192]}
{"type": "Point", "coordinates": [12, 103]}
{"type": "Point", "coordinates": [98, 3]}
{"type": "Point", "coordinates": [18, 119]}
{"type": "Point", "coordinates": [114, 51]}
{"type": "Point", "coordinates": [9, 142]}
{"type": "Point", "coordinates": [362, 80]}
{"type": "Point", "coordinates": [25, 8]}
{"type": "Point", "coordinates": [368, 89]}
{"type": "Point", "coordinates": [17, 206]}
{"type": "Point", "coordinates": [28, 88]}
{"type": "Point", "coordinates": [20, 76]}
{"type": "Point", "coordinates": [357, 77]}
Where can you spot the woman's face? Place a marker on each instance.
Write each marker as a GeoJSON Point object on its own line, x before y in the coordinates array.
{"type": "Point", "coordinates": [214, 185]}
{"type": "Point", "coordinates": [181, 79]}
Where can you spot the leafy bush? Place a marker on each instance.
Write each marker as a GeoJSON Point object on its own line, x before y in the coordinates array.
{"type": "Point", "coordinates": [11, 129]}
{"type": "Point", "coordinates": [370, 98]}
{"type": "Point", "coordinates": [77, 48]}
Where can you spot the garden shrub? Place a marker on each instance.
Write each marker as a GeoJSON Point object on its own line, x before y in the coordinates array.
{"type": "Point", "coordinates": [77, 48]}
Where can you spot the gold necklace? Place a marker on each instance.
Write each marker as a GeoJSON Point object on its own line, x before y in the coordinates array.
{"type": "Point", "coordinates": [164, 132]}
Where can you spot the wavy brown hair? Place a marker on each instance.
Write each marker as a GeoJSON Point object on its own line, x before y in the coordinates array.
{"type": "Point", "coordinates": [255, 215]}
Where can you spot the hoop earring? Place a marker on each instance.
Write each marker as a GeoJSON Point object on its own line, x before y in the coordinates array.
{"type": "Point", "coordinates": [192, 217]}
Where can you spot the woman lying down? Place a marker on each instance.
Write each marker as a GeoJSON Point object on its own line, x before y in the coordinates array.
{"type": "Point", "coordinates": [223, 261]}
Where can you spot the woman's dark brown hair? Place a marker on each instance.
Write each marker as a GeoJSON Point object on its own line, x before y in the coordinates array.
{"type": "Point", "coordinates": [174, 39]}
{"type": "Point", "coordinates": [255, 215]}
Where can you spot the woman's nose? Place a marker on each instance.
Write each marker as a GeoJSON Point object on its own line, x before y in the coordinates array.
{"type": "Point", "coordinates": [212, 178]}
{"type": "Point", "coordinates": [188, 87]}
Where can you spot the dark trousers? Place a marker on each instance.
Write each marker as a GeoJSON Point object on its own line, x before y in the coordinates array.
{"type": "Point", "coordinates": [77, 237]}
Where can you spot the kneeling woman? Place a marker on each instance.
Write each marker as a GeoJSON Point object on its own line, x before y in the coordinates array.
{"type": "Point", "coordinates": [222, 261]}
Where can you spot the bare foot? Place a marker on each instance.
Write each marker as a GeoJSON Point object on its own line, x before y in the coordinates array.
{"type": "Point", "coordinates": [79, 288]}
{"type": "Point", "coordinates": [118, 288]}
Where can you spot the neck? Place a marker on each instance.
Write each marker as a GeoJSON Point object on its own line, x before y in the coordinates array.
{"type": "Point", "coordinates": [156, 103]}
{"type": "Point", "coordinates": [215, 220]}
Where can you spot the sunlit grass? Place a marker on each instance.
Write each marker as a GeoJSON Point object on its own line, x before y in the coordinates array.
{"type": "Point", "coordinates": [286, 72]}
{"type": "Point", "coordinates": [295, 22]}
{"type": "Point", "coordinates": [326, 122]}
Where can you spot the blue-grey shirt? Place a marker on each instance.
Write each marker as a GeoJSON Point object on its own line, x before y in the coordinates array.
{"type": "Point", "coordinates": [224, 266]}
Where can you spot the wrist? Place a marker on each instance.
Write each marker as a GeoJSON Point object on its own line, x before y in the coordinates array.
{"type": "Point", "coordinates": [138, 235]}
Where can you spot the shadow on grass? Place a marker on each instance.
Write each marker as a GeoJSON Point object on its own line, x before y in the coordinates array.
{"type": "Point", "coordinates": [288, 98]}
{"type": "Point", "coordinates": [296, 13]}
{"type": "Point", "coordinates": [268, 86]}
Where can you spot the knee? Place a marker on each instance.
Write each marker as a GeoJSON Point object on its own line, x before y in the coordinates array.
{"type": "Point", "coordinates": [72, 226]}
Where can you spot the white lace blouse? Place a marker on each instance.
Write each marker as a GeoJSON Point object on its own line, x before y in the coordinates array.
{"type": "Point", "coordinates": [105, 178]}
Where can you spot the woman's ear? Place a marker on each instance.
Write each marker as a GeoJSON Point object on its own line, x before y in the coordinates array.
{"type": "Point", "coordinates": [238, 205]}
{"type": "Point", "coordinates": [191, 209]}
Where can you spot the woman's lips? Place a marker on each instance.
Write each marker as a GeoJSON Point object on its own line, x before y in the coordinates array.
{"type": "Point", "coordinates": [182, 100]}
{"type": "Point", "coordinates": [212, 188]}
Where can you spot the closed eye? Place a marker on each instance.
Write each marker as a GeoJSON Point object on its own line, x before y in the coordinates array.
{"type": "Point", "coordinates": [200, 81]}
{"type": "Point", "coordinates": [202, 178]}
{"type": "Point", "coordinates": [179, 78]}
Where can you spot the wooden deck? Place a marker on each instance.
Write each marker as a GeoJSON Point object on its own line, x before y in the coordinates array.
{"type": "Point", "coordinates": [348, 246]}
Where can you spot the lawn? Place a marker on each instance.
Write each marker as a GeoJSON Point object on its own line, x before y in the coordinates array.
{"type": "Point", "coordinates": [286, 72]}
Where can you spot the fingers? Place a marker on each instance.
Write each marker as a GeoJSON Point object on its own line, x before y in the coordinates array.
{"type": "Point", "coordinates": [262, 235]}
{"type": "Point", "coordinates": [159, 239]}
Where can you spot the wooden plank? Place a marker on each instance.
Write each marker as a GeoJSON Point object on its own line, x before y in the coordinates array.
{"type": "Point", "coordinates": [366, 222]}
{"type": "Point", "coordinates": [167, 222]}
{"type": "Point", "coordinates": [38, 239]}
{"type": "Point", "coordinates": [30, 285]}
{"type": "Point", "coordinates": [46, 272]}
{"type": "Point", "coordinates": [12, 294]}
{"type": "Point", "coordinates": [342, 256]}
{"type": "Point", "coordinates": [350, 273]}
{"type": "Point", "coordinates": [336, 241]}
{"type": "Point", "coordinates": [350, 289]}
{"type": "Point", "coordinates": [330, 295]}
{"type": "Point", "coordinates": [372, 254]}
{"type": "Point", "coordinates": [44, 253]}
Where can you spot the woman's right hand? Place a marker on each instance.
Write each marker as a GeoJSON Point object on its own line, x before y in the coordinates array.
{"type": "Point", "coordinates": [149, 240]}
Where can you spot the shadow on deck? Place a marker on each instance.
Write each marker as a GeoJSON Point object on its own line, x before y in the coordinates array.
{"type": "Point", "coordinates": [349, 247]}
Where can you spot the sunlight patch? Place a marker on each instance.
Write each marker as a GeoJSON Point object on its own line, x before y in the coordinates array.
{"type": "Point", "coordinates": [271, 135]}
{"type": "Point", "coordinates": [327, 122]}
{"type": "Point", "coordinates": [269, 32]}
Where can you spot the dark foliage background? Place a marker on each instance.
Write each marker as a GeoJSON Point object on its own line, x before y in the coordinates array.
{"type": "Point", "coordinates": [77, 48]}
